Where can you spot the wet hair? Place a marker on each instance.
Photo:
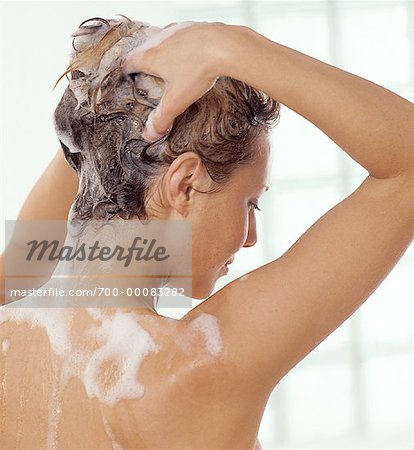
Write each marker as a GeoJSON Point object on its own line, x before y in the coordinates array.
{"type": "Point", "coordinates": [102, 113]}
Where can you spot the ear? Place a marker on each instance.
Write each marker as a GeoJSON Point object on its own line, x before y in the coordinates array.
{"type": "Point", "coordinates": [185, 173]}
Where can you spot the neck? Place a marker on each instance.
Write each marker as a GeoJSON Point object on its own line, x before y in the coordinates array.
{"type": "Point", "coordinates": [120, 264]}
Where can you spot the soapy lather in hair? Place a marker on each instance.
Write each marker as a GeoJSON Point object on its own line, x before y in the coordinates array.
{"type": "Point", "coordinates": [102, 114]}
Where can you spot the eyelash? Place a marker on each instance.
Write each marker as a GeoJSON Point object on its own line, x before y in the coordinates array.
{"type": "Point", "coordinates": [255, 206]}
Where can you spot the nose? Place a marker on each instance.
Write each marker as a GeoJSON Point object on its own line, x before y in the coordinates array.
{"type": "Point", "coordinates": [251, 238]}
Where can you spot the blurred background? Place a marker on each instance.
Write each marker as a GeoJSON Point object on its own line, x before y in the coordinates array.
{"type": "Point", "coordinates": [355, 390]}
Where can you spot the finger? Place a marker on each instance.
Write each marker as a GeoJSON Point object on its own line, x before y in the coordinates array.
{"type": "Point", "coordinates": [176, 99]}
{"type": "Point", "coordinates": [170, 25]}
{"type": "Point", "coordinates": [151, 133]}
{"type": "Point", "coordinates": [133, 61]}
{"type": "Point", "coordinates": [161, 119]}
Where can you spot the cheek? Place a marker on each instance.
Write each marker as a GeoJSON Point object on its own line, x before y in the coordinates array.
{"type": "Point", "coordinates": [237, 227]}
{"type": "Point", "coordinates": [219, 231]}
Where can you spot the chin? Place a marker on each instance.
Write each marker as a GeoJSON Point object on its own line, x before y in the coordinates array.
{"type": "Point", "coordinates": [202, 294]}
{"type": "Point", "coordinates": [202, 290]}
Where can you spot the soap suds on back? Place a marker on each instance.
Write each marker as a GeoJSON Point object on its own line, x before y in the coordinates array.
{"type": "Point", "coordinates": [55, 411]}
{"type": "Point", "coordinates": [121, 343]}
{"type": "Point", "coordinates": [55, 321]}
{"type": "Point", "coordinates": [208, 325]}
{"type": "Point", "coordinates": [5, 345]}
{"type": "Point", "coordinates": [125, 343]}
{"type": "Point", "coordinates": [110, 434]}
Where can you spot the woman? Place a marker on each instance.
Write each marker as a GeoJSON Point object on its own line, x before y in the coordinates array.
{"type": "Point", "coordinates": [128, 378]}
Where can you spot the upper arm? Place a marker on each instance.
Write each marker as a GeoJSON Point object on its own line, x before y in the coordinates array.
{"type": "Point", "coordinates": [274, 317]}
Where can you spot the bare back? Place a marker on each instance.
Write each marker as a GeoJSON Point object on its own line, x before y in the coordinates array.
{"type": "Point", "coordinates": [103, 379]}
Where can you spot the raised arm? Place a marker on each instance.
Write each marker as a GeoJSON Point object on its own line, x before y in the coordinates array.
{"type": "Point", "coordinates": [275, 316]}
{"type": "Point", "coordinates": [372, 124]}
{"type": "Point", "coordinates": [53, 194]}
{"type": "Point", "coordinates": [49, 199]}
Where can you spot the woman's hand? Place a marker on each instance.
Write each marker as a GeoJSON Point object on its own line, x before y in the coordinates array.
{"type": "Point", "coordinates": [187, 57]}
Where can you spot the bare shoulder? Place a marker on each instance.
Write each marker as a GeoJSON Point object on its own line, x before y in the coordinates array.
{"type": "Point", "coordinates": [274, 316]}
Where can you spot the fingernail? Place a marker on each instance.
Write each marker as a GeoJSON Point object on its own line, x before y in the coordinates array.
{"type": "Point", "coordinates": [150, 134]}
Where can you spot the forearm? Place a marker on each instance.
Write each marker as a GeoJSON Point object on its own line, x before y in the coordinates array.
{"type": "Point", "coordinates": [372, 124]}
{"type": "Point", "coordinates": [53, 194]}
{"type": "Point", "coordinates": [50, 199]}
